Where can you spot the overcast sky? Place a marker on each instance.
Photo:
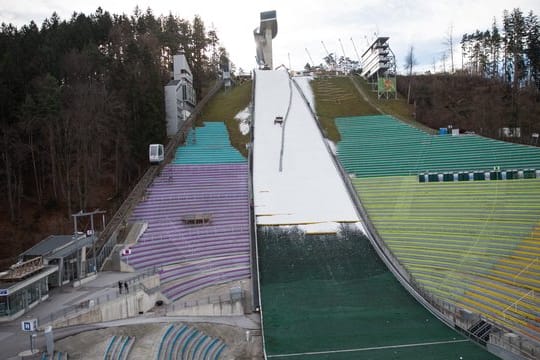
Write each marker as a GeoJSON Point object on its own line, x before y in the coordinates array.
{"type": "Point", "coordinates": [304, 24]}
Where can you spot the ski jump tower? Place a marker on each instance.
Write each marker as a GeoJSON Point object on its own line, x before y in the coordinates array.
{"type": "Point", "coordinates": [264, 34]}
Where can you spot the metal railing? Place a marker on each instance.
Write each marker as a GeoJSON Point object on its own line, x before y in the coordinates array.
{"type": "Point", "coordinates": [134, 284]}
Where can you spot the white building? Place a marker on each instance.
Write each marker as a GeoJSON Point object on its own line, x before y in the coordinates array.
{"type": "Point", "coordinates": [180, 96]}
{"type": "Point", "coordinates": [378, 60]}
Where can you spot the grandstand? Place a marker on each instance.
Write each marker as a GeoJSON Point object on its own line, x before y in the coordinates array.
{"type": "Point", "coordinates": [197, 213]}
{"type": "Point", "coordinates": [473, 244]}
{"type": "Point", "coordinates": [411, 151]}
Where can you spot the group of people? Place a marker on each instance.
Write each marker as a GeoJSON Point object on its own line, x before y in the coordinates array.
{"type": "Point", "coordinates": [124, 285]}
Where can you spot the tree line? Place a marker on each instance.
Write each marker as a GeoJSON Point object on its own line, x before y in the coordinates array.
{"type": "Point", "coordinates": [511, 54]}
{"type": "Point", "coordinates": [498, 86]}
{"type": "Point", "coordinates": [81, 99]}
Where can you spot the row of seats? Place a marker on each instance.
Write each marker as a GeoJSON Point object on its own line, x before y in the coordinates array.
{"type": "Point", "coordinates": [208, 144]}
{"type": "Point", "coordinates": [118, 347]}
{"type": "Point", "coordinates": [474, 244]}
{"type": "Point", "coordinates": [383, 146]}
{"type": "Point", "coordinates": [186, 343]}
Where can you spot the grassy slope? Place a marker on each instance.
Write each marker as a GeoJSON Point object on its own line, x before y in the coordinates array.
{"type": "Point", "coordinates": [223, 107]}
{"type": "Point", "coordinates": [337, 96]}
{"type": "Point", "coordinates": [334, 97]}
{"type": "Point", "coordinates": [398, 108]}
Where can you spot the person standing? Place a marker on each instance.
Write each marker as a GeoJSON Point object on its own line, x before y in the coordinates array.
{"type": "Point", "coordinates": [126, 287]}
{"type": "Point", "coordinates": [120, 287]}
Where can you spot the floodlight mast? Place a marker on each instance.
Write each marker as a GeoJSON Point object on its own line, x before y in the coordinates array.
{"type": "Point", "coordinates": [342, 49]}
{"type": "Point", "coordinates": [310, 58]}
{"type": "Point", "coordinates": [331, 60]}
{"type": "Point", "coordinates": [356, 51]}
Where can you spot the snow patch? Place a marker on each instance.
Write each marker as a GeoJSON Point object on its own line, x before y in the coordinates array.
{"type": "Point", "coordinates": [243, 118]}
{"type": "Point", "coordinates": [303, 187]}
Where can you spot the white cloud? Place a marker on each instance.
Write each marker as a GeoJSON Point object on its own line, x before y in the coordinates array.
{"type": "Point", "coordinates": [304, 24]}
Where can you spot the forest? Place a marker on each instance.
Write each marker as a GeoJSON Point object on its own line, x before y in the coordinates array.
{"type": "Point", "coordinates": [498, 85]}
{"type": "Point", "coordinates": [80, 100]}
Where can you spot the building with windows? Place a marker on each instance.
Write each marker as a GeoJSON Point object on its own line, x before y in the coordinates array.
{"type": "Point", "coordinates": [23, 286]}
{"type": "Point", "coordinates": [55, 261]}
{"type": "Point", "coordinates": [378, 60]}
{"type": "Point", "coordinates": [180, 97]}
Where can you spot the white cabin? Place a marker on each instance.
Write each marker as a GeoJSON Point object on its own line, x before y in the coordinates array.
{"type": "Point", "coordinates": [156, 153]}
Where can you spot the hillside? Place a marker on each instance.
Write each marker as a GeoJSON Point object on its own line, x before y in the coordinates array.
{"type": "Point", "coordinates": [473, 103]}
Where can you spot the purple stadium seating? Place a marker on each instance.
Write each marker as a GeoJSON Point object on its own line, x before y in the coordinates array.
{"type": "Point", "coordinates": [195, 256]}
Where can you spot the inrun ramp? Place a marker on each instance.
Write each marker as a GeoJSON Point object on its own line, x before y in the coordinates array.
{"type": "Point", "coordinates": [293, 173]}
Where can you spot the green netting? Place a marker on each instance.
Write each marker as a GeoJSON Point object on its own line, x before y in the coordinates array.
{"type": "Point", "coordinates": [331, 292]}
{"type": "Point", "coordinates": [382, 146]}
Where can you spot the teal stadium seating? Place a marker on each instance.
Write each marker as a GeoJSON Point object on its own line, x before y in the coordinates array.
{"type": "Point", "coordinates": [208, 144]}
{"type": "Point", "coordinates": [383, 146]}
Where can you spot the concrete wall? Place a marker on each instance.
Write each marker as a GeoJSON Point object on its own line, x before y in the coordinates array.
{"type": "Point", "coordinates": [122, 307]}
{"type": "Point", "coordinates": [125, 306]}
{"type": "Point", "coordinates": [225, 308]}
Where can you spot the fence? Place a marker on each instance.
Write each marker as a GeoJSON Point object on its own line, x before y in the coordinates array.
{"type": "Point", "coordinates": [134, 284]}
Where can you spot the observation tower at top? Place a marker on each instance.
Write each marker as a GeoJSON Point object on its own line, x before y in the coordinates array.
{"type": "Point", "coordinates": [264, 34]}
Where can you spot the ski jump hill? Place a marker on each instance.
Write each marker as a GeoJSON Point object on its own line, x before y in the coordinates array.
{"type": "Point", "coordinates": [325, 292]}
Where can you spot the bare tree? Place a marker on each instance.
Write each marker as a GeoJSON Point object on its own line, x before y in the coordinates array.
{"type": "Point", "coordinates": [444, 57]}
{"type": "Point", "coordinates": [449, 42]}
{"type": "Point", "coordinates": [410, 62]}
